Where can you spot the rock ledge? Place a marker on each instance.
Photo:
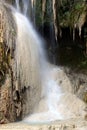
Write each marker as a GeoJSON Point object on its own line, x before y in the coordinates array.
{"type": "Point", "coordinates": [72, 124]}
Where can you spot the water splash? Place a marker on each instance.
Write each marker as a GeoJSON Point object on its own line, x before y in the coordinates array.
{"type": "Point", "coordinates": [52, 95]}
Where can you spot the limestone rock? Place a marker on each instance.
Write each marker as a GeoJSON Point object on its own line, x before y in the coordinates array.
{"type": "Point", "coordinates": [72, 124]}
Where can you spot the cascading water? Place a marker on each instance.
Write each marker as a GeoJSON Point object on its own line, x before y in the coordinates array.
{"type": "Point", "coordinates": [24, 8]}
{"type": "Point", "coordinates": [17, 5]}
{"type": "Point", "coordinates": [26, 5]}
{"type": "Point", "coordinates": [33, 70]}
{"type": "Point", "coordinates": [32, 66]}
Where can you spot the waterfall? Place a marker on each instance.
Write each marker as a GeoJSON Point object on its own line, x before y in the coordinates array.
{"type": "Point", "coordinates": [45, 97]}
{"type": "Point", "coordinates": [28, 8]}
{"type": "Point", "coordinates": [32, 67]}
{"type": "Point", "coordinates": [26, 5]}
{"type": "Point", "coordinates": [23, 8]}
{"type": "Point", "coordinates": [17, 5]}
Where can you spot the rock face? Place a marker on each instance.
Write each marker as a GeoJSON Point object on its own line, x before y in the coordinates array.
{"type": "Point", "coordinates": [78, 79]}
{"type": "Point", "coordinates": [7, 38]}
{"type": "Point", "coordinates": [15, 100]}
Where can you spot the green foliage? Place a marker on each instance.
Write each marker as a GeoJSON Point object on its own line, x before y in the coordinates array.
{"type": "Point", "coordinates": [79, 6]}
{"type": "Point", "coordinates": [70, 12]}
